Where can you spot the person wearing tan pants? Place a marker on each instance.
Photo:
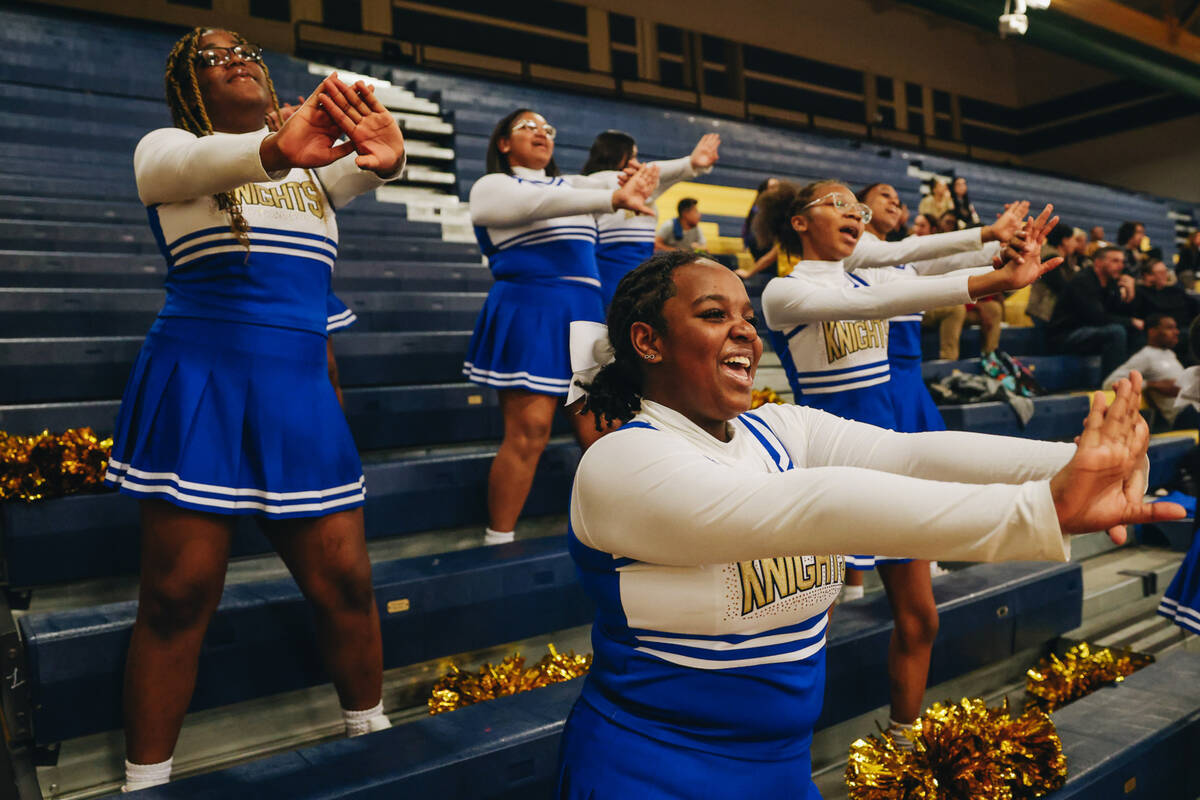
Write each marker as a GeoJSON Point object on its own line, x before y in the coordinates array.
{"type": "Point", "coordinates": [987, 312]}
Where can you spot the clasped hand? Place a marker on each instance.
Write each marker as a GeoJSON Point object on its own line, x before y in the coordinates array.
{"type": "Point", "coordinates": [309, 136]}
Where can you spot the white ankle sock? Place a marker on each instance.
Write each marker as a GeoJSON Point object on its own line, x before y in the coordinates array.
{"type": "Point", "coordinates": [143, 776]}
{"type": "Point", "coordinates": [896, 731]}
{"type": "Point", "coordinates": [851, 592]}
{"type": "Point", "coordinates": [498, 537]}
{"type": "Point", "coordinates": [368, 720]}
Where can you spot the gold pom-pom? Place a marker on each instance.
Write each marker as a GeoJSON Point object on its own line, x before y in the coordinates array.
{"type": "Point", "coordinates": [961, 752]}
{"type": "Point", "coordinates": [458, 689]}
{"type": "Point", "coordinates": [1055, 681]}
{"type": "Point", "coordinates": [760, 397]}
{"type": "Point", "coordinates": [51, 465]}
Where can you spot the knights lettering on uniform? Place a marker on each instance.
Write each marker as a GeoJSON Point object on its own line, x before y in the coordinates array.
{"type": "Point", "coordinates": [845, 337]}
{"type": "Point", "coordinates": [769, 579]}
{"type": "Point", "coordinates": [293, 195]}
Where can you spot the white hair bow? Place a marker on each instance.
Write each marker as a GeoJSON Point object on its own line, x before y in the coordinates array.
{"type": "Point", "coordinates": [590, 351]}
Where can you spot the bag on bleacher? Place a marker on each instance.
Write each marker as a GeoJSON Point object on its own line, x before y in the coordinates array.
{"type": "Point", "coordinates": [1012, 374]}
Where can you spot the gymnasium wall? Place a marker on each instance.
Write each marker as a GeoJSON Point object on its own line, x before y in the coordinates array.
{"type": "Point", "coordinates": [1162, 158]}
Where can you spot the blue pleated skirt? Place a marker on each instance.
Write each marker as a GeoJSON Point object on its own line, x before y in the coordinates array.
{"type": "Point", "coordinates": [232, 418]}
{"type": "Point", "coordinates": [1181, 601]}
{"type": "Point", "coordinates": [915, 410]}
{"type": "Point", "coordinates": [521, 339]}
{"type": "Point", "coordinates": [601, 760]}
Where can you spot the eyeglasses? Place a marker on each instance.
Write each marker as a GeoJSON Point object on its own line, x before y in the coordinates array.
{"type": "Point", "coordinates": [840, 202]}
{"type": "Point", "coordinates": [534, 127]}
{"type": "Point", "coordinates": [220, 56]}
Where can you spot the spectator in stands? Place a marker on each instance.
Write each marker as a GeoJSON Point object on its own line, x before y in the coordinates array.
{"type": "Point", "coordinates": [830, 330]}
{"type": "Point", "coordinates": [1189, 261]}
{"type": "Point", "coordinates": [627, 240]}
{"type": "Point", "coordinates": [948, 222]}
{"type": "Point", "coordinates": [682, 517]}
{"type": "Point", "coordinates": [1160, 368]}
{"type": "Point", "coordinates": [683, 232]}
{"type": "Point", "coordinates": [1096, 240]}
{"type": "Point", "coordinates": [756, 250]}
{"type": "Point", "coordinates": [937, 201]}
{"type": "Point", "coordinates": [1094, 312]}
{"type": "Point", "coordinates": [230, 409]}
{"type": "Point", "coordinates": [924, 225]}
{"type": "Point", "coordinates": [964, 211]}
{"type": "Point", "coordinates": [1044, 294]}
{"type": "Point", "coordinates": [1129, 239]}
{"type": "Point", "coordinates": [537, 231]}
{"type": "Point", "coordinates": [764, 258]}
{"type": "Point", "coordinates": [902, 230]}
{"type": "Point", "coordinates": [1157, 295]}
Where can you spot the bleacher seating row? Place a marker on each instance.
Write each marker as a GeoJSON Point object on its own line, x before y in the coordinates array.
{"type": "Point", "coordinates": [82, 280]}
{"type": "Point", "coordinates": [508, 749]}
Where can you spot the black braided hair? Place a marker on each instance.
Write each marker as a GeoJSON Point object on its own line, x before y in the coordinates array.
{"type": "Point", "coordinates": [776, 207]}
{"type": "Point", "coordinates": [616, 393]}
{"type": "Point", "coordinates": [188, 112]}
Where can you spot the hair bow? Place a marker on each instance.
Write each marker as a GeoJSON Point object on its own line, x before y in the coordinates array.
{"type": "Point", "coordinates": [590, 351]}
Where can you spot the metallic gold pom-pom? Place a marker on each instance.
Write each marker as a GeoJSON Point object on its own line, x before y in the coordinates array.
{"type": "Point", "coordinates": [1055, 681]}
{"type": "Point", "coordinates": [961, 751]}
{"type": "Point", "coordinates": [458, 689]}
{"type": "Point", "coordinates": [51, 465]}
{"type": "Point", "coordinates": [760, 397]}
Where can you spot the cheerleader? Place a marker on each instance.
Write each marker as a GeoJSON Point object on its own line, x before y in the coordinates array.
{"type": "Point", "coordinates": [830, 330]}
{"type": "Point", "coordinates": [914, 407]}
{"type": "Point", "coordinates": [538, 231]}
{"type": "Point", "coordinates": [1181, 601]}
{"type": "Point", "coordinates": [702, 531]}
{"type": "Point", "coordinates": [626, 239]}
{"type": "Point", "coordinates": [229, 409]}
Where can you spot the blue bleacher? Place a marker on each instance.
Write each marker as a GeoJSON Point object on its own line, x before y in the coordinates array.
{"type": "Point", "coordinates": [81, 279]}
{"type": "Point", "coordinates": [1054, 373]}
{"type": "Point", "coordinates": [987, 612]}
{"type": "Point", "coordinates": [1135, 739]}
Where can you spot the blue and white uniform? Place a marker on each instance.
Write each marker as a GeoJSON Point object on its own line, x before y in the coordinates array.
{"type": "Point", "coordinates": [539, 236]}
{"type": "Point", "coordinates": [913, 406]}
{"type": "Point", "coordinates": [829, 328]}
{"type": "Point", "coordinates": [229, 408]}
{"type": "Point", "coordinates": [711, 613]}
{"type": "Point", "coordinates": [338, 316]}
{"type": "Point", "coordinates": [626, 239]}
{"type": "Point", "coordinates": [1181, 601]}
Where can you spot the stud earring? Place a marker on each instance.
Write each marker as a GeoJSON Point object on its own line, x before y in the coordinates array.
{"type": "Point", "coordinates": [648, 356]}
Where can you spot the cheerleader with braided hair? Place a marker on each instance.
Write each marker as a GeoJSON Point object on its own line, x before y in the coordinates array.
{"type": "Point", "coordinates": [229, 409]}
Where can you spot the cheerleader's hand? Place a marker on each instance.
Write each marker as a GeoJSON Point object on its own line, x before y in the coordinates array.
{"type": "Point", "coordinates": [308, 138]}
{"type": "Point", "coordinates": [1102, 487]}
{"type": "Point", "coordinates": [276, 118]}
{"type": "Point", "coordinates": [637, 190]}
{"type": "Point", "coordinates": [1022, 256]}
{"type": "Point", "coordinates": [370, 127]}
{"type": "Point", "coordinates": [705, 154]}
{"type": "Point", "coordinates": [1007, 224]}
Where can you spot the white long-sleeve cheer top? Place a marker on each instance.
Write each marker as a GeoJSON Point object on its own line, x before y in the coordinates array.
{"type": "Point", "coordinates": [713, 564]}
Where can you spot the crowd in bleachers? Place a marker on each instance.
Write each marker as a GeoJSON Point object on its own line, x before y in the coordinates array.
{"type": "Point", "coordinates": [590, 241]}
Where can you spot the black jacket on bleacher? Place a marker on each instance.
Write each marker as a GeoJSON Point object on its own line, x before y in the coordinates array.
{"type": "Point", "coordinates": [1084, 303]}
{"type": "Point", "coordinates": [1174, 301]}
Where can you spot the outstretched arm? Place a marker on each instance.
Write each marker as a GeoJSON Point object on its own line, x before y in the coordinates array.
{"type": "Point", "coordinates": [793, 300]}
{"type": "Point", "coordinates": [499, 200]}
{"type": "Point", "coordinates": [648, 496]}
{"type": "Point", "coordinates": [873, 252]}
